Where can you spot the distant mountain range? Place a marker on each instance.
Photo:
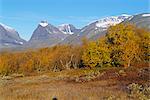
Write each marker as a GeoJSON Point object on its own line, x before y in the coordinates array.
{"type": "Point", "coordinates": [46, 35]}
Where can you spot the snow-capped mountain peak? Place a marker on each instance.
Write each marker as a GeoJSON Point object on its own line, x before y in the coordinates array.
{"type": "Point", "coordinates": [43, 23]}
{"type": "Point", "coordinates": [113, 20]}
{"type": "Point", "coordinates": [66, 28]}
{"type": "Point", "coordinates": [9, 37]}
{"type": "Point", "coordinates": [64, 25]}
{"type": "Point", "coordinates": [9, 29]}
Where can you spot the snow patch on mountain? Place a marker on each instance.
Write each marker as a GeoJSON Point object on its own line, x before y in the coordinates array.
{"type": "Point", "coordinates": [9, 29]}
{"type": "Point", "coordinates": [125, 15]}
{"type": "Point", "coordinates": [6, 44]}
{"type": "Point", "coordinates": [146, 15]}
{"type": "Point", "coordinates": [110, 21]}
{"type": "Point", "coordinates": [43, 23]}
{"type": "Point", "coordinates": [130, 17]}
{"type": "Point", "coordinates": [65, 28]}
{"type": "Point", "coordinates": [18, 42]}
{"type": "Point", "coordinates": [62, 25]}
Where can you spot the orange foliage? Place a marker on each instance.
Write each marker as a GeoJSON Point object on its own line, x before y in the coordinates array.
{"type": "Point", "coordinates": [47, 59]}
{"type": "Point", "coordinates": [124, 45]}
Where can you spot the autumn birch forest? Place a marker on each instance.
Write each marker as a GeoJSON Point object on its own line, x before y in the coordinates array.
{"type": "Point", "coordinates": [124, 46]}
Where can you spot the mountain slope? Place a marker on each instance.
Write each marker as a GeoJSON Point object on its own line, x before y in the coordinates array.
{"type": "Point", "coordinates": [140, 20]}
{"type": "Point", "coordinates": [48, 35]}
{"type": "Point", "coordinates": [9, 37]}
{"type": "Point", "coordinates": [45, 35]}
{"type": "Point", "coordinates": [95, 29]}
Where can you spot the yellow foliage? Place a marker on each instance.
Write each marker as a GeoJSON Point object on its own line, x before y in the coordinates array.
{"type": "Point", "coordinates": [123, 45]}
{"type": "Point", "coordinates": [97, 54]}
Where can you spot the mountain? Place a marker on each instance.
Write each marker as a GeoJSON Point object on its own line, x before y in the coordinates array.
{"type": "Point", "coordinates": [68, 29]}
{"type": "Point", "coordinates": [9, 37]}
{"type": "Point", "coordinates": [45, 35]}
{"type": "Point", "coordinates": [140, 20]}
{"type": "Point", "coordinates": [95, 29]}
{"type": "Point", "coordinates": [102, 25]}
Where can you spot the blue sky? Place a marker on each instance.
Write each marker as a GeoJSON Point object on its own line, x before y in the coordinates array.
{"type": "Point", "coordinates": [24, 15]}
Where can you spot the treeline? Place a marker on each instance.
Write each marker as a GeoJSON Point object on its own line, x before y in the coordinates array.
{"type": "Point", "coordinates": [56, 58]}
{"type": "Point", "coordinates": [123, 46]}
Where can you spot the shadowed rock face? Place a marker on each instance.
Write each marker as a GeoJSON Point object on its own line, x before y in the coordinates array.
{"type": "Point", "coordinates": [9, 37]}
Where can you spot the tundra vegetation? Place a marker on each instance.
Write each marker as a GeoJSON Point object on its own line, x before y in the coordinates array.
{"type": "Point", "coordinates": [123, 48]}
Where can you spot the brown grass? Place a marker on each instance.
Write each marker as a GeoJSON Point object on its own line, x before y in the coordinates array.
{"type": "Point", "coordinates": [59, 85]}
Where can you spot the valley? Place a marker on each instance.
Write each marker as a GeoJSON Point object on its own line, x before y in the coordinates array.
{"type": "Point", "coordinates": [73, 85]}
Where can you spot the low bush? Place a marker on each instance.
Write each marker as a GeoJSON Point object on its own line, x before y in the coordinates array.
{"type": "Point", "coordinates": [139, 92]}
